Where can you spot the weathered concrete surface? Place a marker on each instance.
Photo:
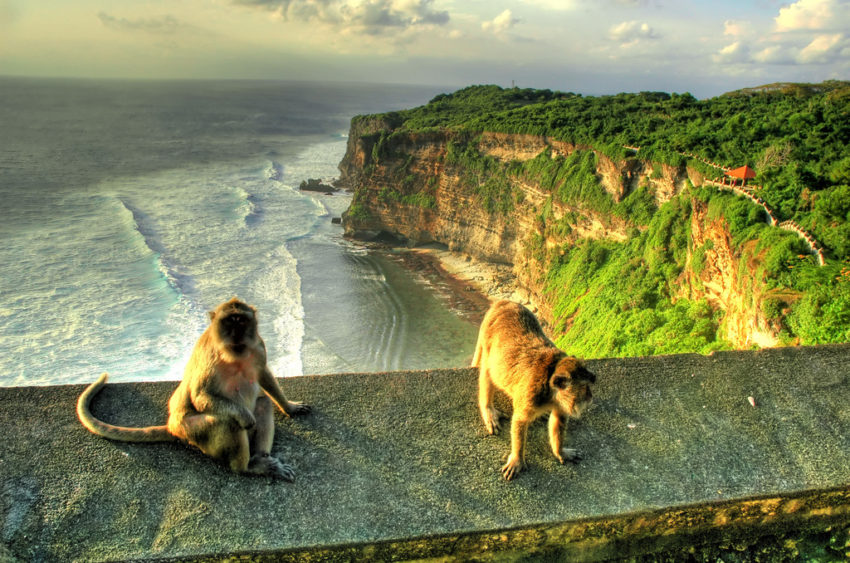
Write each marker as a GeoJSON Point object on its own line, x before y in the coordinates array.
{"type": "Point", "coordinates": [398, 466]}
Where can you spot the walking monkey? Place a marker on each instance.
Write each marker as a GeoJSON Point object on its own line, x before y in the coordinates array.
{"type": "Point", "coordinates": [514, 355]}
{"type": "Point", "coordinates": [219, 406]}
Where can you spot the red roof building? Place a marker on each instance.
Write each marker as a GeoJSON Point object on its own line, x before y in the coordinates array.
{"type": "Point", "coordinates": [744, 173]}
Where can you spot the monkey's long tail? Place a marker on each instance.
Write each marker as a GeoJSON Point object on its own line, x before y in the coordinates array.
{"type": "Point", "coordinates": [120, 433]}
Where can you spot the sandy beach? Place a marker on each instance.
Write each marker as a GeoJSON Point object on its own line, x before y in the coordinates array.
{"type": "Point", "coordinates": [469, 285]}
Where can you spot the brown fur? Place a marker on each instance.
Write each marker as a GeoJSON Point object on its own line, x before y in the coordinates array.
{"type": "Point", "coordinates": [219, 406]}
{"type": "Point", "coordinates": [514, 355]}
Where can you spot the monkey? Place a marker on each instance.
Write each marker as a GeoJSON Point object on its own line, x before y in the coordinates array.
{"type": "Point", "coordinates": [218, 406]}
{"type": "Point", "coordinates": [514, 355]}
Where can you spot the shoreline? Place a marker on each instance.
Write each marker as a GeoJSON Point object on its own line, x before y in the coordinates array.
{"type": "Point", "coordinates": [468, 284]}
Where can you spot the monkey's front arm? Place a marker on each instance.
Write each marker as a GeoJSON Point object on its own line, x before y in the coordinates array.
{"type": "Point", "coordinates": [271, 387]}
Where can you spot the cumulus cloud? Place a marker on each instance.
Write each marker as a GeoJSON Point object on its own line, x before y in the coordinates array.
{"type": "Point", "coordinates": [629, 33]}
{"type": "Point", "coordinates": [774, 54]}
{"type": "Point", "coordinates": [371, 17]}
{"type": "Point", "coordinates": [810, 14]}
{"type": "Point", "coordinates": [501, 23]}
{"type": "Point", "coordinates": [823, 49]}
{"type": "Point", "coordinates": [736, 52]}
{"type": "Point", "coordinates": [806, 32]}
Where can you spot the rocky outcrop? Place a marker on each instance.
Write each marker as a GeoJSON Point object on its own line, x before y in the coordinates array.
{"type": "Point", "coordinates": [316, 185]}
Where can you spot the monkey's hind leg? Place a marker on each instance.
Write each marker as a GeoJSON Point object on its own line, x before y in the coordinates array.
{"type": "Point", "coordinates": [220, 438]}
{"type": "Point", "coordinates": [223, 439]}
{"type": "Point", "coordinates": [261, 462]}
{"type": "Point", "coordinates": [490, 414]}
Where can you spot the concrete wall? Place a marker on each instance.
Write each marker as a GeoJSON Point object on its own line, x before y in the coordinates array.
{"type": "Point", "coordinates": [399, 466]}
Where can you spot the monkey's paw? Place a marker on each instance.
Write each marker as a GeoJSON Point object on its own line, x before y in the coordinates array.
{"type": "Point", "coordinates": [492, 420]}
{"type": "Point", "coordinates": [569, 454]}
{"type": "Point", "coordinates": [272, 467]}
{"type": "Point", "coordinates": [294, 407]}
{"type": "Point", "coordinates": [512, 468]}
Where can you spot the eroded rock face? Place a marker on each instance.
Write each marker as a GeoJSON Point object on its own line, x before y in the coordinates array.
{"type": "Point", "coordinates": [726, 286]}
{"type": "Point", "coordinates": [407, 185]}
{"type": "Point", "coordinates": [415, 163]}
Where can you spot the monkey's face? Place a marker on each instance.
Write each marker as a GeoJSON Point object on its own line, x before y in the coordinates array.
{"type": "Point", "coordinates": [234, 325]}
{"type": "Point", "coordinates": [571, 382]}
{"type": "Point", "coordinates": [237, 330]}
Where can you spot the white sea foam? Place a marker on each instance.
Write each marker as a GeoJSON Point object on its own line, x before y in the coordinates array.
{"type": "Point", "coordinates": [274, 171]}
{"type": "Point", "coordinates": [130, 271]}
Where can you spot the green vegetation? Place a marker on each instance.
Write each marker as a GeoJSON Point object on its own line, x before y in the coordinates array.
{"type": "Point", "coordinates": [618, 298]}
{"type": "Point", "coordinates": [358, 212]}
{"type": "Point", "coordinates": [417, 199]}
{"type": "Point", "coordinates": [630, 297]}
{"type": "Point", "coordinates": [485, 174]}
{"type": "Point", "coordinates": [795, 136]}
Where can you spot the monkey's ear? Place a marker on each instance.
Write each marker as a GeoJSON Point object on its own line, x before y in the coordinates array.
{"type": "Point", "coordinates": [584, 373]}
{"type": "Point", "coordinates": [212, 315]}
{"type": "Point", "coordinates": [555, 356]}
{"type": "Point", "coordinates": [560, 381]}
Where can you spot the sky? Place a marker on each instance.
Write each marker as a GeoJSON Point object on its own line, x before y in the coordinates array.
{"type": "Point", "coordinates": [593, 47]}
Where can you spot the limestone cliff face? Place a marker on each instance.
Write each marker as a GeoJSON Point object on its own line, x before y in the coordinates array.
{"type": "Point", "coordinates": [409, 186]}
{"type": "Point", "coordinates": [415, 163]}
{"type": "Point", "coordinates": [716, 275]}
{"type": "Point", "coordinates": [451, 214]}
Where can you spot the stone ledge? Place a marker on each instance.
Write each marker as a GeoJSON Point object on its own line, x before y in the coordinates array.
{"type": "Point", "coordinates": [399, 466]}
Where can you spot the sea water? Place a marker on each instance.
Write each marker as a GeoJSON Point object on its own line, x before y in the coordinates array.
{"type": "Point", "coordinates": [129, 209]}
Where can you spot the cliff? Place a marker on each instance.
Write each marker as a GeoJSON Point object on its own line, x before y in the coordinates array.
{"type": "Point", "coordinates": [498, 197]}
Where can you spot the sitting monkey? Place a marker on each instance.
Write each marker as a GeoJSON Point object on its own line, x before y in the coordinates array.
{"type": "Point", "coordinates": [218, 407]}
{"type": "Point", "coordinates": [515, 355]}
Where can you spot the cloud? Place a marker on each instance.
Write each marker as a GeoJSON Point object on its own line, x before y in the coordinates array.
{"type": "Point", "coordinates": [163, 25]}
{"type": "Point", "coordinates": [371, 17]}
{"type": "Point", "coordinates": [736, 52]}
{"type": "Point", "coordinates": [807, 14]}
{"type": "Point", "coordinates": [808, 32]}
{"type": "Point", "coordinates": [823, 49]}
{"type": "Point", "coordinates": [501, 23]}
{"type": "Point", "coordinates": [629, 33]}
{"type": "Point", "coordinates": [735, 28]}
{"type": "Point", "coordinates": [774, 54]}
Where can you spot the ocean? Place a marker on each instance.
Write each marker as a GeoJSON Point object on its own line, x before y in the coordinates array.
{"type": "Point", "coordinates": [128, 209]}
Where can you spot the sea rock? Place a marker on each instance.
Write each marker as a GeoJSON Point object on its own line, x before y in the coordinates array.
{"type": "Point", "coordinates": [316, 185]}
